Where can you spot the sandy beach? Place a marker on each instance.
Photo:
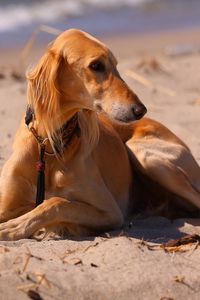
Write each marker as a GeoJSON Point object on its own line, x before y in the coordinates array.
{"type": "Point", "coordinates": [163, 70]}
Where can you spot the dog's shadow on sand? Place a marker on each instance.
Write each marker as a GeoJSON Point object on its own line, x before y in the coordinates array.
{"type": "Point", "coordinates": [155, 229]}
{"type": "Point", "coordinates": [159, 229]}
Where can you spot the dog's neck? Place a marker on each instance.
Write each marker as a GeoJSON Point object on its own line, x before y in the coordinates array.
{"type": "Point", "coordinates": [65, 135]}
{"type": "Point", "coordinates": [67, 132]}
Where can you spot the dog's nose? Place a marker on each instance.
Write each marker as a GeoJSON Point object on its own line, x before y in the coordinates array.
{"type": "Point", "coordinates": [139, 110]}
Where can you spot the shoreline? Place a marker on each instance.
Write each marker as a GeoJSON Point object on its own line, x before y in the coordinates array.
{"type": "Point", "coordinates": [132, 16]}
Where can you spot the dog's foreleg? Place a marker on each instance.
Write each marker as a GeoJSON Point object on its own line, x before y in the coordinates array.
{"type": "Point", "coordinates": [55, 211]}
{"type": "Point", "coordinates": [15, 195]}
{"type": "Point", "coordinates": [17, 188]}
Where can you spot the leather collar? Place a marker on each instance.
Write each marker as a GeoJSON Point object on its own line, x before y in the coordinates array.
{"type": "Point", "coordinates": [67, 132]}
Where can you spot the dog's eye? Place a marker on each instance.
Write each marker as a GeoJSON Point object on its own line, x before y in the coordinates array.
{"type": "Point", "coordinates": [97, 66]}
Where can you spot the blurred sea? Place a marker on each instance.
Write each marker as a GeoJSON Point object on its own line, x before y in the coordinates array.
{"type": "Point", "coordinates": [19, 18]}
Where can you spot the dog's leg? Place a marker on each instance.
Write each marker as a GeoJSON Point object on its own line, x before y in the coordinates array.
{"type": "Point", "coordinates": [55, 211]}
{"type": "Point", "coordinates": [18, 211]}
{"type": "Point", "coordinates": [12, 206]}
{"type": "Point", "coordinates": [15, 200]}
{"type": "Point", "coordinates": [170, 165]}
{"type": "Point", "coordinates": [16, 193]}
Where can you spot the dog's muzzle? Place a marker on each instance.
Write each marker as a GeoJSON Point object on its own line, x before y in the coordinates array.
{"type": "Point", "coordinates": [121, 112]}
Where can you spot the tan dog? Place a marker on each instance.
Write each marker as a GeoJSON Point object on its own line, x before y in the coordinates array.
{"type": "Point", "coordinates": [88, 180]}
{"type": "Point", "coordinates": [90, 188]}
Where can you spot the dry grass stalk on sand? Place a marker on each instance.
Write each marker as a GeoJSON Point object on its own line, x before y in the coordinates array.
{"type": "Point", "coordinates": [31, 289]}
{"type": "Point", "coordinates": [28, 257]}
{"type": "Point", "coordinates": [151, 64]}
{"type": "Point", "coordinates": [18, 71]}
{"type": "Point", "coordinates": [149, 84]}
{"type": "Point", "coordinates": [182, 244]}
{"type": "Point", "coordinates": [29, 44]}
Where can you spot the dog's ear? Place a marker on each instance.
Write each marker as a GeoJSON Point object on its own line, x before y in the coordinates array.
{"type": "Point", "coordinates": [43, 91]}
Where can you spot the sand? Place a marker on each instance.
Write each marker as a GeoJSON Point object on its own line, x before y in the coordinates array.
{"type": "Point", "coordinates": [117, 265]}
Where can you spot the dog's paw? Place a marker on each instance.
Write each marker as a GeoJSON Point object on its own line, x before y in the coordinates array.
{"type": "Point", "coordinates": [13, 230]}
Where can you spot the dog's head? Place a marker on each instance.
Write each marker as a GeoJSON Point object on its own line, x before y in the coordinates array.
{"type": "Point", "coordinates": [79, 72]}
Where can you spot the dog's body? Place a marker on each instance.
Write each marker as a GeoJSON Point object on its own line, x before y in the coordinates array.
{"type": "Point", "coordinates": [90, 188]}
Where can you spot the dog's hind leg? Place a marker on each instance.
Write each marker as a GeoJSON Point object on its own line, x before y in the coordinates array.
{"type": "Point", "coordinates": [170, 165]}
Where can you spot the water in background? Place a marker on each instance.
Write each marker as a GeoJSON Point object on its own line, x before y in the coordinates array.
{"type": "Point", "coordinates": [19, 18]}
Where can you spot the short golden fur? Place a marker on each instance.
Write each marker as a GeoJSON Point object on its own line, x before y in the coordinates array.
{"type": "Point", "coordinates": [91, 187]}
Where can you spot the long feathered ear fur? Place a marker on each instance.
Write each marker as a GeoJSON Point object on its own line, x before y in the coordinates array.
{"type": "Point", "coordinates": [43, 92]}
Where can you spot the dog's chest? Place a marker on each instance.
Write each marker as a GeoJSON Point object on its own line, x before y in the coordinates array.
{"type": "Point", "coordinates": [63, 180]}
{"type": "Point", "coordinates": [61, 185]}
